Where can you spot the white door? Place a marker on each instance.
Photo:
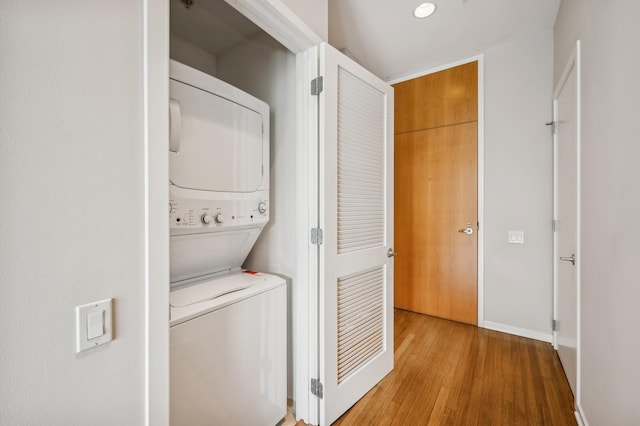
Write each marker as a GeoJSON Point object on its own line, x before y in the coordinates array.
{"type": "Point", "coordinates": [356, 215]}
{"type": "Point", "coordinates": [567, 186]}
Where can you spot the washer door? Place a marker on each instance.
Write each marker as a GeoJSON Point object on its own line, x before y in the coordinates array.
{"type": "Point", "coordinates": [216, 144]}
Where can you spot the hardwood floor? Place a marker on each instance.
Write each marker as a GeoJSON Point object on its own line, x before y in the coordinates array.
{"type": "Point", "coordinates": [448, 373]}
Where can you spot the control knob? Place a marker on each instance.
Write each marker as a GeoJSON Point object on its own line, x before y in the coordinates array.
{"type": "Point", "coordinates": [206, 218]}
{"type": "Point", "coordinates": [262, 207]}
{"type": "Point", "coordinates": [219, 218]}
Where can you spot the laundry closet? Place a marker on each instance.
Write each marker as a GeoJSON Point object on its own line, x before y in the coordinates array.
{"type": "Point", "coordinates": [234, 180]}
{"type": "Point", "coordinates": [330, 228]}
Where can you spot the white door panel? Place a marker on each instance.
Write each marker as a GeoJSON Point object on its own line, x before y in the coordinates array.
{"type": "Point", "coordinates": [356, 214]}
{"type": "Point", "coordinates": [566, 117]}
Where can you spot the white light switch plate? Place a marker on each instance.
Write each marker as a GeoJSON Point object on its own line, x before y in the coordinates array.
{"type": "Point", "coordinates": [516, 237]}
{"type": "Point", "coordinates": [93, 320]}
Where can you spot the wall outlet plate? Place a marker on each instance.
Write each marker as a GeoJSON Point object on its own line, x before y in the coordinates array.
{"type": "Point", "coordinates": [94, 325]}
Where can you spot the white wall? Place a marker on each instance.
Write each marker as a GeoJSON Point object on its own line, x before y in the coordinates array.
{"type": "Point", "coordinates": [518, 184]}
{"type": "Point", "coordinates": [192, 55]}
{"type": "Point", "coordinates": [610, 373]}
{"type": "Point", "coordinates": [570, 18]}
{"type": "Point", "coordinates": [71, 210]}
{"type": "Point", "coordinates": [314, 13]}
{"type": "Point", "coordinates": [265, 69]}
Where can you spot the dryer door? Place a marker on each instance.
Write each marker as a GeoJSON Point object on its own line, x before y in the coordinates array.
{"type": "Point", "coordinates": [216, 144]}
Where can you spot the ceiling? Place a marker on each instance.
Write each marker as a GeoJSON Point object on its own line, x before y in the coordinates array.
{"type": "Point", "coordinates": [385, 37]}
{"type": "Point", "coordinates": [212, 25]}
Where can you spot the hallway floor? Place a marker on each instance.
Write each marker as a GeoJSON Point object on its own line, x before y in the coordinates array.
{"type": "Point", "coordinates": [448, 373]}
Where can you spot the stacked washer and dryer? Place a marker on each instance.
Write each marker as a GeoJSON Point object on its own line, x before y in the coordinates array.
{"type": "Point", "coordinates": [227, 325]}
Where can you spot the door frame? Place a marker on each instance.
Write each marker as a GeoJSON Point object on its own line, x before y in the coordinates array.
{"type": "Point", "coordinates": [287, 28]}
{"type": "Point", "coordinates": [574, 61]}
{"type": "Point", "coordinates": [155, 24]}
{"type": "Point", "coordinates": [480, 60]}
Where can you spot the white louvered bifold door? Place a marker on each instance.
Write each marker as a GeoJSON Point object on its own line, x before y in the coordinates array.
{"type": "Point", "coordinates": [356, 215]}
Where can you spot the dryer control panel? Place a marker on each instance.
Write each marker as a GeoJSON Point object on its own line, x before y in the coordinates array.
{"type": "Point", "coordinates": [189, 215]}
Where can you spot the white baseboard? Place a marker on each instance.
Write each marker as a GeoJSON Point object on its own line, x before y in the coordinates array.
{"type": "Point", "coordinates": [518, 331]}
{"type": "Point", "coordinates": [582, 421]}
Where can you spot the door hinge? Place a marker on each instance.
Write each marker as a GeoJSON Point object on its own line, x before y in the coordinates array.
{"type": "Point", "coordinates": [316, 388]}
{"type": "Point", "coordinates": [317, 237]}
{"type": "Point", "coordinates": [554, 325]}
{"type": "Point", "coordinates": [554, 127]}
{"type": "Point", "coordinates": [317, 84]}
{"type": "Point", "coordinates": [555, 225]}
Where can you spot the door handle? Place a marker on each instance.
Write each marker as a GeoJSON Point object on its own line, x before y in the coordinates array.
{"type": "Point", "coordinates": [468, 230]}
{"type": "Point", "coordinates": [571, 259]}
{"type": "Point", "coordinates": [175, 125]}
{"type": "Point", "coordinates": [391, 253]}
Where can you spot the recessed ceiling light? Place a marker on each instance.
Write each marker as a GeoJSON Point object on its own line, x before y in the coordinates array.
{"type": "Point", "coordinates": [424, 10]}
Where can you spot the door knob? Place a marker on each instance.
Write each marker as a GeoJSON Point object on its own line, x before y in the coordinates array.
{"type": "Point", "coordinates": [571, 259]}
{"type": "Point", "coordinates": [391, 253]}
{"type": "Point", "coordinates": [468, 230]}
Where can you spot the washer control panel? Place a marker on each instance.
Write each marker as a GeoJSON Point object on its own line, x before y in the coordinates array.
{"type": "Point", "coordinates": [193, 215]}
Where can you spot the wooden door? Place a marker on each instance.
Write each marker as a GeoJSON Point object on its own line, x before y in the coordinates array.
{"type": "Point", "coordinates": [356, 214]}
{"type": "Point", "coordinates": [436, 135]}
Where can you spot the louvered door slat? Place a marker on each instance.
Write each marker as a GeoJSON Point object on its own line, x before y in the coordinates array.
{"type": "Point", "coordinates": [361, 158]}
{"type": "Point", "coordinates": [360, 319]}
{"type": "Point", "coordinates": [369, 349]}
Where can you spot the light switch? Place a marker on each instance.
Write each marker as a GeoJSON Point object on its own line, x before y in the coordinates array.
{"type": "Point", "coordinates": [94, 325]}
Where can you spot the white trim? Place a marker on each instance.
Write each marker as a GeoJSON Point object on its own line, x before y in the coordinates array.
{"type": "Point", "coordinates": [305, 296]}
{"type": "Point", "coordinates": [156, 222]}
{"type": "Point", "coordinates": [555, 217]}
{"type": "Point", "coordinates": [276, 19]}
{"type": "Point", "coordinates": [522, 332]}
{"type": "Point", "coordinates": [481, 147]}
{"type": "Point", "coordinates": [313, 307]}
{"type": "Point", "coordinates": [581, 419]}
{"type": "Point", "coordinates": [300, 293]}
{"type": "Point", "coordinates": [481, 221]}
{"type": "Point", "coordinates": [578, 222]}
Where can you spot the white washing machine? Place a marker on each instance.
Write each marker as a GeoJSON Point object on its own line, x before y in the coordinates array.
{"type": "Point", "coordinates": [227, 326]}
{"type": "Point", "coordinates": [227, 361]}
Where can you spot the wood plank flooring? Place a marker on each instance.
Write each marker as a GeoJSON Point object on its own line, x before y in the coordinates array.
{"type": "Point", "coordinates": [448, 373]}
